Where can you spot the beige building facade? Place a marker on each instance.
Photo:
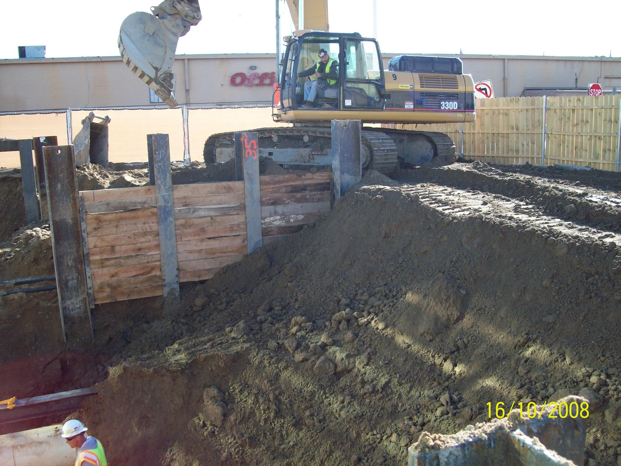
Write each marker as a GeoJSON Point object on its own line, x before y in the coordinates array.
{"type": "Point", "coordinates": [246, 80]}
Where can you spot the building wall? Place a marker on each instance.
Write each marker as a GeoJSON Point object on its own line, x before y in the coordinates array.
{"type": "Point", "coordinates": [205, 80]}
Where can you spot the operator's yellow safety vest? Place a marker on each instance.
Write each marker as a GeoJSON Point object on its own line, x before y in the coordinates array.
{"type": "Point", "coordinates": [328, 65]}
{"type": "Point", "coordinates": [95, 456]}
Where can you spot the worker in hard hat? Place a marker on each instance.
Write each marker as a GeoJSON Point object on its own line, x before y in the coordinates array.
{"type": "Point", "coordinates": [90, 450]}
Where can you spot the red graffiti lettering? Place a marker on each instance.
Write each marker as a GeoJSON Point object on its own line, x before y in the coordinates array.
{"type": "Point", "coordinates": [238, 79]}
{"type": "Point", "coordinates": [251, 81]}
{"type": "Point", "coordinates": [268, 79]}
{"type": "Point", "coordinates": [251, 147]}
{"type": "Point", "coordinates": [255, 79]}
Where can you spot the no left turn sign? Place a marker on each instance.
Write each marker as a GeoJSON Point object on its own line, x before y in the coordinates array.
{"type": "Point", "coordinates": [484, 90]}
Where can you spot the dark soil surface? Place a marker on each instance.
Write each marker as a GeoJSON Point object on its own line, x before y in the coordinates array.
{"type": "Point", "coordinates": [414, 304]}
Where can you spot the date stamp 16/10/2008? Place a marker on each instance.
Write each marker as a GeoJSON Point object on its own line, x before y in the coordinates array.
{"type": "Point", "coordinates": [555, 410]}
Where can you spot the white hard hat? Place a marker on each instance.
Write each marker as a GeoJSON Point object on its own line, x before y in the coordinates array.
{"type": "Point", "coordinates": [72, 428]}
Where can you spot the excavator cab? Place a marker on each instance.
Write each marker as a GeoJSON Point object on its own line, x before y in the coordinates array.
{"type": "Point", "coordinates": [360, 83]}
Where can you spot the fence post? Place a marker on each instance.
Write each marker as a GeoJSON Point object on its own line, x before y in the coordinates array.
{"type": "Point", "coordinates": [165, 213]}
{"type": "Point", "coordinates": [543, 131]}
{"type": "Point", "coordinates": [186, 135]}
{"type": "Point", "coordinates": [60, 180]}
{"type": "Point", "coordinates": [69, 127]}
{"type": "Point", "coordinates": [31, 202]}
{"type": "Point", "coordinates": [346, 163]}
{"type": "Point", "coordinates": [247, 143]}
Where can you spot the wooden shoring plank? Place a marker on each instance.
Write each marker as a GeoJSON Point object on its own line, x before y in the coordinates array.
{"type": "Point", "coordinates": [296, 188]}
{"type": "Point", "coordinates": [120, 228]}
{"type": "Point", "coordinates": [300, 198]}
{"type": "Point", "coordinates": [211, 232]}
{"type": "Point", "coordinates": [125, 283]}
{"type": "Point", "coordinates": [126, 273]}
{"type": "Point", "coordinates": [206, 243]}
{"type": "Point", "coordinates": [208, 189]}
{"type": "Point", "coordinates": [206, 222]}
{"type": "Point", "coordinates": [247, 143]}
{"type": "Point", "coordinates": [224, 251]}
{"type": "Point", "coordinates": [122, 194]}
{"type": "Point", "coordinates": [124, 239]}
{"type": "Point", "coordinates": [136, 217]}
{"type": "Point", "coordinates": [67, 247]}
{"type": "Point", "coordinates": [127, 294]}
{"type": "Point", "coordinates": [280, 180]}
{"type": "Point", "coordinates": [212, 211]}
{"type": "Point", "coordinates": [209, 200]}
{"type": "Point", "coordinates": [295, 209]}
{"type": "Point", "coordinates": [210, 263]}
{"type": "Point", "coordinates": [122, 251]}
{"type": "Point", "coordinates": [124, 261]}
{"type": "Point", "coordinates": [8, 145]}
{"type": "Point", "coordinates": [291, 220]}
{"type": "Point", "coordinates": [120, 206]}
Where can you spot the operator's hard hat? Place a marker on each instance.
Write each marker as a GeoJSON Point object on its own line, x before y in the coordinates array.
{"type": "Point", "coordinates": [72, 428]}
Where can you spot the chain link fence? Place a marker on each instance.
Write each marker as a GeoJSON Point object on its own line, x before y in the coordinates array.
{"type": "Point", "coordinates": [188, 128]}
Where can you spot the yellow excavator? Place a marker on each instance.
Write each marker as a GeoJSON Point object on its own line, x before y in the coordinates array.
{"type": "Point", "coordinates": [414, 89]}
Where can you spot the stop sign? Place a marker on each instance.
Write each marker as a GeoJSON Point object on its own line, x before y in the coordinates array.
{"type": "Point", "coordinates": [595, 89]}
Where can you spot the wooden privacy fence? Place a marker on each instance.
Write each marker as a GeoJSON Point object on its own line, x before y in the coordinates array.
{"type": "Point", "coordinates": [579, 131]}
{"type": "Point", "coordinates": [210, 229]}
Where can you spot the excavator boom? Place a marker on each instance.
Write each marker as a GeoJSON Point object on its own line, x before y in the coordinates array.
{"type": "Point", "coordinates": [148, 42]}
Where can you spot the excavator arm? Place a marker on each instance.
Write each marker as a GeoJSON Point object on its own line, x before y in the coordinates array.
{"type": "Point", "coordinates": [148, 42]}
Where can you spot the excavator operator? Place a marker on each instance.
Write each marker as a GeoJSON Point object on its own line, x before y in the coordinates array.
{"type": "Point", "coordinates": [326, 70]}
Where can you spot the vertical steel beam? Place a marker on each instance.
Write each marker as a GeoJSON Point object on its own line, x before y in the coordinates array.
{"type": "Point", "coordinates": [31, 201]}
{"type": "Point", "coordinates": [165, 213]}
{"type": "Point", "coordinates": [39, 144]}
{"type": "Point", "coordinates": [151, 155]}
{"type": "Point", "coordinates": [238, 153]}
{"type": "Point", "coordinates": [346, 163]}
{"type": "Point", "coordinates": [69, 268]}
{"type": "Point", "coordinates": [247, 145]}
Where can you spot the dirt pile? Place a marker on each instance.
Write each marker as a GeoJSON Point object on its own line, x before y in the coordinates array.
{"type": "Point", "coordinates": [413, 305]}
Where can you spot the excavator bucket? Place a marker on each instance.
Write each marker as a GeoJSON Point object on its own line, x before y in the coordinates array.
{"type": "Point", "coordinates": [91, 143]}
{"type": "Point", "coordinates": [147, 43]}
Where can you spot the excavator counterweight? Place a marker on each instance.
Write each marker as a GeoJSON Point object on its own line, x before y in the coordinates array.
{"type": "Point", "coordinates": [148, 42]}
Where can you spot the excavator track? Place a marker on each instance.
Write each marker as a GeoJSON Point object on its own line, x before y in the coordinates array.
{"type": "Point", "coordinates": [382, 148]}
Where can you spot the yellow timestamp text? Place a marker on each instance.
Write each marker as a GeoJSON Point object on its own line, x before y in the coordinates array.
{"type": "Point", "coordinates": [562, 410]}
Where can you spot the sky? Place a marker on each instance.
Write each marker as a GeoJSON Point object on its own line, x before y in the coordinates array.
{"type": "Point", "coordinates": [83, 28]}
